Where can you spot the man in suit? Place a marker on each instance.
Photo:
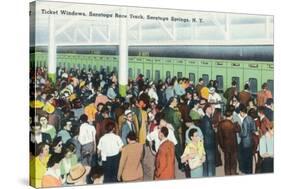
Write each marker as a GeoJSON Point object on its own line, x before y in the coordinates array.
{"type": "Point", "coordinates": [127, 126]}
{"type": "Point", "coordinates": [165, 157]}
{"type": "Point", "coordinates": [130, 165]}
{"type": "Point", "coordinates": [247, 129]}
{"type": "Point", "coordinates": [265, 124]}
{"type": "Point", "coordinates": [263, 95]}
{"type": "Point", "coordinates": [209, 166]}
{"type": "Point", "coordinates": [245, 95]}
{"type": "Point", "coordinates": [231, 91]}
{"type": "Point", "coordinates": [227, 140]}
{"type": "Point", "coordinates": [173, 116]}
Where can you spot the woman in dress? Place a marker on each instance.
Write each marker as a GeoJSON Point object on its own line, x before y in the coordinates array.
{"type": "Point", "coordinates": [194, 154]}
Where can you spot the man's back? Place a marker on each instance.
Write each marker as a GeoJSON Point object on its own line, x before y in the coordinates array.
{"type": "Point", "coordinates": [165, 161]}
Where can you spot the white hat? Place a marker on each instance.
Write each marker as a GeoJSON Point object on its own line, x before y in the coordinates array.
{"type": "Point", "coordinates": [212, 90]}
{"type": "Point", "coordinates": [127, 112]}
{"type": "Point", "coordinates": [64, 75]}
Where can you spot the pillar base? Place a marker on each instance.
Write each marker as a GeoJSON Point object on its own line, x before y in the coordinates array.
{"type": "Point", "coordinates": [122, 90]}
{"type": "Point", "coordinates": [52, 77]}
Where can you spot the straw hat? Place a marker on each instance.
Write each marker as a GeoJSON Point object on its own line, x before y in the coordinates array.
{"type": "Point", "coordinates": [77, 173]}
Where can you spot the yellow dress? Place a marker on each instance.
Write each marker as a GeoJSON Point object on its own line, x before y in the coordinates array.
{"type": "Point", "coordinates": [37, 170]}
{"type": "Point", "coordinates": [197, 148]}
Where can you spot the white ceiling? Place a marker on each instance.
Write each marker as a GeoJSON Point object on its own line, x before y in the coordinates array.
{"type": "Point", "coordinates": [82, 30]}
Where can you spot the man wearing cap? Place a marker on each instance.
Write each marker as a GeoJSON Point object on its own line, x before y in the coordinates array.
{"type": "Point", "coordinates": [127, 126]}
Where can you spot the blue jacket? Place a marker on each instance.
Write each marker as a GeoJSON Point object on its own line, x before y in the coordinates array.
{"type": "Point", "coordinates": [125, 131]}
{"type": "Point", "coordinates": [247, 129]}
{"type": "Point", "coordinates": [208, 133]}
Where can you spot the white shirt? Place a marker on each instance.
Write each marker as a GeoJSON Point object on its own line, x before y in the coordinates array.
{"type": "Point", "coordinates": [109, 145]}
{"type": "Point", "coordinates": [154, 136]}
{"type": "Point", "coordinates": [36, 138]}
{"type": "Point", "coordinates": [87, 134]}
{"type": "Point", "coordinates": [152, 94]}
{"type": "Point", "coordinates": [215, 98]}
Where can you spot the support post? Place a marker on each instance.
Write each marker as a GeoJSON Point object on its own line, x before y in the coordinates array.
{"type": "Point", "coordinates": [123, 54]}
{"type": "Point", "coordinates": [52, 50]}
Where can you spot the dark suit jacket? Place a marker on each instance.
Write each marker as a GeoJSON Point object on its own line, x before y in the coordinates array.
{"type": "Point", "coordinates": [125, 131]}
{"type": "Point", "coordinates": [245, 97]}
{"type": "Point", "coordinates": [208, 133]}
{"type": "Point", "coordinates": [247, 130]}
{"type": "Point", "coordinates": [227, 135]}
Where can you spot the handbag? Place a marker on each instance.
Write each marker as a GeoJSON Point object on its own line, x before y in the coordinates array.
{"type": "Point", "coordinates": [195, 162]}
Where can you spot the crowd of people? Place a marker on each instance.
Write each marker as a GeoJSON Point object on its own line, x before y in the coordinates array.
{"type": "Point", "coordinates": [82, 131]}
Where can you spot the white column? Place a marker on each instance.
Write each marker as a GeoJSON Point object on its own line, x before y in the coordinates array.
{"type": "Point", "coordinates": [52, 50]}
{"type": "Point", "coordinates": [123, 54]}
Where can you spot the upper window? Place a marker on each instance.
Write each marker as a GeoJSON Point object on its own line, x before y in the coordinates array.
{"type": "Point", "coordinates": [253, 85]}
{"type": "Point", "coordinates": [237, 79]}
{"type": "Point", "coordinates": [219, 79]}
{"type": "Point", "coordinates": [148, 74]}
{"type": "Point", "coordinates": [157, 75]}
{"type": "Point", "coordinates": [168, 74]}
{"type": "Point", "coordinates": [130, 73]}
{"type": "Point", "coordinates": [192, 77]}
{"type": "Point", "coordinates": [205, 77]}
{"type": "Point", "coordinates": [179, 74]}
{"type": "Point", "coordinates": [270, 84]}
